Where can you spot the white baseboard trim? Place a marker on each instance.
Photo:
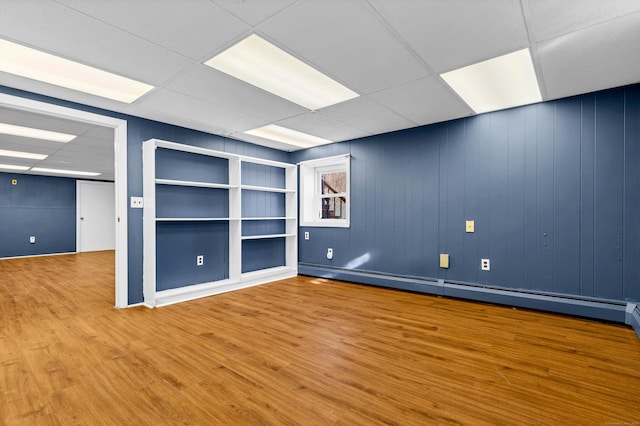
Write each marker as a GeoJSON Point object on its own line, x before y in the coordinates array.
{"type": "Point", "coordinates": [197, 291]}
{"type": "Point", "coordinates": [38, 255]}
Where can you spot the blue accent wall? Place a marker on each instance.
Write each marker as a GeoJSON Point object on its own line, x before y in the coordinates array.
{"type": "Point", "coordinates": [139, 130]}
{"type": "Point", "coordinates": [554, 189]}
{"type": "Point", "coordinates": [40, 206]}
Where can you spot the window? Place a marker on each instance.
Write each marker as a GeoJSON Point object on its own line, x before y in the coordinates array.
{"type": "Point", "coordinates": [324, 192]}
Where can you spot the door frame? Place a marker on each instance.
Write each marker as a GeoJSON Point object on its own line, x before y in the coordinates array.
{"type": "Point", "coordinates": [120, 150]}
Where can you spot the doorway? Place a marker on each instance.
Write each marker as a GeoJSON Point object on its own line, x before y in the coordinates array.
{"type": "Point", "coordinates": [120, 159]}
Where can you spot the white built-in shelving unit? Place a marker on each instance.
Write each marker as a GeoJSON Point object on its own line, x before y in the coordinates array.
{"type": "Point", "coordinates": [237, 279]}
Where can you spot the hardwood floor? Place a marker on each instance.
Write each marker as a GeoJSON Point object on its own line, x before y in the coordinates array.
{"type": "Point", "coordinates": [300, 351]}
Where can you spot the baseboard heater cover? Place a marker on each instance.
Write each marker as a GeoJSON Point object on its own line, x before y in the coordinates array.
{"type": "Point", "coordinates": [633, 317]}
{"type": "Point", "coordinates": [565, 304]}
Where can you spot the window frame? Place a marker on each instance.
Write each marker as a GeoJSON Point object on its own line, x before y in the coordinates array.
{"type": "Point", "coordinates": [310, 191]}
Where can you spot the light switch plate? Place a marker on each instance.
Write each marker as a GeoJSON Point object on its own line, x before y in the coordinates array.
{"type": "Point", "coordinates": [137, 202]}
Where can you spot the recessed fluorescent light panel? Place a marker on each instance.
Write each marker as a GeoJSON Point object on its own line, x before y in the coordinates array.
{"type": "Point", "coordinates": [20, 154]}
{"type": "Point", "coordinates": [258, 62]}
{"type": "Point", "coordinates": [288, 136]}
{"type": "Point", "coordinates": [34, 64]}
{"type": "Point", "coordinates": [12, 167]}
{"type": "Point", "coordinates": [28, 132]}
{"type": "Point", "coordinates": [503, 82]}
{"type": "Point", "coordinates": [63, 172]}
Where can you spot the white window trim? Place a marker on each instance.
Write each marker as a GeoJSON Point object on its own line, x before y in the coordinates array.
{"type": "Point", "coordinates": [309, 190]}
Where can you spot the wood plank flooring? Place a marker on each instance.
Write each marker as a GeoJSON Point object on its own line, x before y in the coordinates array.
{"type": "Point", "coordinates": [300, 351]}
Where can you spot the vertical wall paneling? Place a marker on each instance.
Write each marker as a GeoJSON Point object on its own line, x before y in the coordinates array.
{"type": "Point", "coordinates": [609, 175]}
{"type": "Point", "coordinates": [453, 173]}
{"type": "Point", "coordinates": [545, 197]}
{"type": "Point", "coordinates": [567, 196]}
{"type": "Point", "coordinates": [498, 197]}
{"type": "Point", "coordinates": [531, 233]}
{"type": "Point", "coordinates": [471, 261]}
{"type": "Point", "coordinates": [553, 188]}
{"type": "Point", "coordinates": [516, 195]}
{"type": "Point", "coordinates": [631, 220]}
{"type": "Point", "coordinates": [40, 206]}
{"type": "Point", "coordinates": [587, 195]}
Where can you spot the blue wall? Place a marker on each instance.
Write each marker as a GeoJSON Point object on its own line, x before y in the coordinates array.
{"type": "Point", "coordinates": [139, 130]}
{"type": "Point", "coordinates": [40, 206]}
{"type": "Point", "coordinates": [554, 190]}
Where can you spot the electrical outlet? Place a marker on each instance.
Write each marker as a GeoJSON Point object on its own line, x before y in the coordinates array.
{"type": "Point", "coordinates": [485, 264]}
{"type": "Point", "coordinates": [137, 202]}
{"type": "Point", "coordinates": [32, 240]}
{"type": "Point", "coordinates": [200, 260]}
{"type": "Point", "coordinates": [306, 235]}
{"type": "Point", "coordinates": [330, 253]}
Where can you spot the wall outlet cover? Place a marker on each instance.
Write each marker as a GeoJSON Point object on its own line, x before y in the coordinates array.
{"type": "Point", "coordinates": [485, 264]}
{"type": "Point", "coordinates": [470, 226]}
{"type": "Point", "coordinates": [32, 240]}
{"type": "Point", "coordinates": [444, 260]}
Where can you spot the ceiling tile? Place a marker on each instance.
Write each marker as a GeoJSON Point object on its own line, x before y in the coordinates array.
{"type": "Point", "coordinates": [213, 86]}
{"type": "Point", "coordinates": [193, 28]}
{"type": "Point", "coordinates": [101, 133]}
{"type": "Point", "coordinates": [317, 124]}
{"type": "Point", "coordinates": [28, 119]}
{"type": "Point", "coordinates": [59, 92]}
{"type": "Point", "coordinates": [455, 33]}
{"type": "Point", "coordinates": [254, 11]}
{"type": "Point", "coordinates": [179, 106]}
{"type": "Point", "coordinates": [366, 114]}
{"type": "Point", "coordinates": [74, 35]}
{"type": "Point", "coordinates": [346, 41]}
{"type": "Point", "coordinates": [16, 143]}
{"type": "Point", "coordinates": [552, 18]}
{"type": "Point", "coordinates": [584, 61]}
{"type": "Point", "coordinates": [424, 101]}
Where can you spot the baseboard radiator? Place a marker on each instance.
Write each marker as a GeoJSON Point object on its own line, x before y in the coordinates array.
{"type": "Point", "coordinates": [602, 309]}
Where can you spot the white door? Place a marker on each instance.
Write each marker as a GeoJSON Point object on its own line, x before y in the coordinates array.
{"type": "Point", "coordinates": [96, 213]}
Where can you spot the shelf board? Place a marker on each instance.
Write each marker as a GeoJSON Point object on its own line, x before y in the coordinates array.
{"type": "Point", "coordinates": [265, 188]}
{"type": "Point", "coordinates": [262, 237]}
{"type": "Point", "coordinates": [198, 184]}
{"type": "Point", "coordinates": [269, 218]}
{"type": "Point", "coordinates": [192, 219]}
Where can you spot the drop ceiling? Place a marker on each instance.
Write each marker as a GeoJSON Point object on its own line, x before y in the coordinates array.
{"type": "Point", "coordinates": [391, 52]}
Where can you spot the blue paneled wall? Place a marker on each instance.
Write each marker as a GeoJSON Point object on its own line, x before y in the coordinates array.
{"type": "Point", "coordinates": [553, 188]}
{"type": "Point", "coordinates": [44, 207]}
{"type": "Point", "coordinates": [139, 130]}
